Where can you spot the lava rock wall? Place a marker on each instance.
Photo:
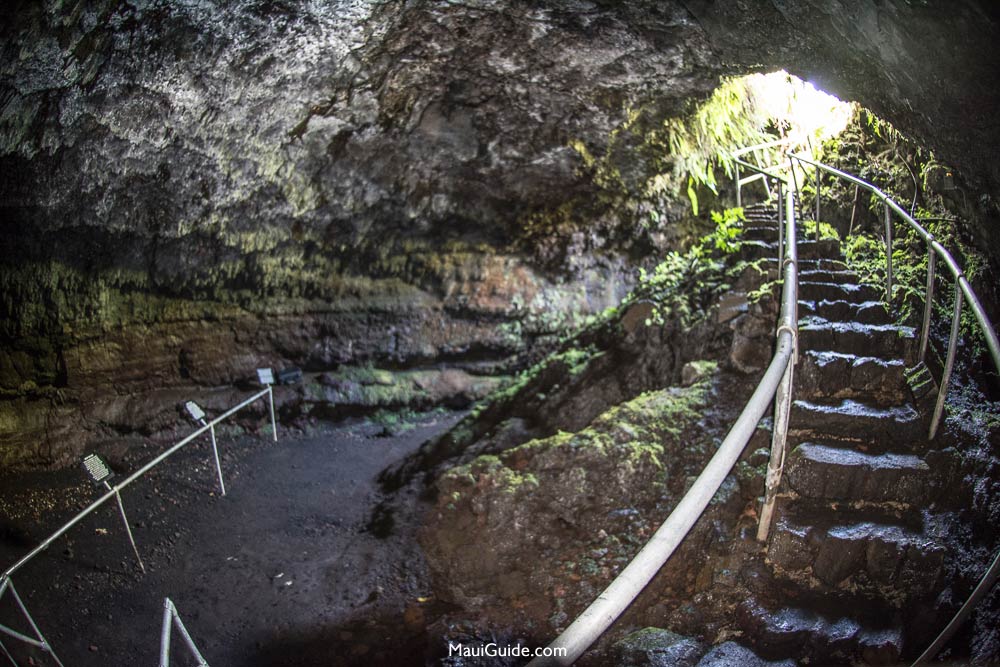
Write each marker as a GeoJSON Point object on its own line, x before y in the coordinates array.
{"type": "Point", "coordinates": [190, 189]}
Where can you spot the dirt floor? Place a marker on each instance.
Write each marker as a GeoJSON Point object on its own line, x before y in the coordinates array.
{"type": "Point", "coordinates": [287, 569]}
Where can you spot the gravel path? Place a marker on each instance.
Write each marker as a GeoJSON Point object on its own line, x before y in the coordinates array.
{"type": "Point", "coordinates": [284, 570]}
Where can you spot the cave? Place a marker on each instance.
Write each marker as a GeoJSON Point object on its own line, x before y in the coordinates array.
{"type": "Point", "coordinates": [389, 333]}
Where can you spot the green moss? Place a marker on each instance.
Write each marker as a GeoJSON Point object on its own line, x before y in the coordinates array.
{"type": "Point", "coordinates": [633, 432]}
{"type": "Point", "coordinates": [826, 231]}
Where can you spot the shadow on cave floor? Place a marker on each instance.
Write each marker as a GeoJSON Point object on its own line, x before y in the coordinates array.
{"type": "Point", "coordinates": [284, 570]}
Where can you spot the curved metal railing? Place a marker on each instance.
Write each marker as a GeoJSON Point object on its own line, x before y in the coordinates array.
{"type": "Point", "coordinates": [934, 250]}
{"type": "Point", "coordinates": [775, 385]}
{"type": "Point", "coordinates": [962, 288]}
{"type": "Point", "coordinates": [6, 577]}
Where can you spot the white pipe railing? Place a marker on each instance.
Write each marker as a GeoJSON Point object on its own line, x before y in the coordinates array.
{"type": "Point", "coordinates": [962, 289]}
{"type": "Point", "coordinates": [6, 579]}
{"type": "Point", "coordinates": [172, 618]}
{"type": "Point", "coordinates": [776, 385]}
{"type": "Point", "coordinates": [962, 286]}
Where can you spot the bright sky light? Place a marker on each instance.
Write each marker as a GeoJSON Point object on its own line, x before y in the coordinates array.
{"type": "Point", "coordinates": [808, 112]}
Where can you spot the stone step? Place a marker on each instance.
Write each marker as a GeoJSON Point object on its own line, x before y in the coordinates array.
{"type": "Point", "coordinates": [728, 654]}
{"type": "Point", "coordinates": [760, 209]}
{"type": "Point", "coordinates": [895, 428]}
{"type": "Point", "coordinates": [865, 312]}
{"type": "Point", "coordinates": [819, 638]}
{"type": "Point", "coordinates": [824, 248]}
{"type": "Point", "coordinates": [770, 262]}
{"type": "Point", "coordinates": [754, 249]}
{"type": "Point", "coordinates": [822, 471]}
{"type": "Point", "coordinates": [880, 340]}
{"type": "Point", "coordinates": [759, 233]}
{"type": "Point", "coordinates": [822, 264]}
{"type": "Point", "coordinates": [760, 214]}
{"type": "Point", "coordinates": [829, 276]}
{"type": "Point", "coordinates": [825, 374]}
{"type": "Point", "coordinates": [832, 291]}
{"type": "Point", "coordinates": [881, 558]}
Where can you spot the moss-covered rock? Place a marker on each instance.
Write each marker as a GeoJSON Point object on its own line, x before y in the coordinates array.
{"type": "Point", "coordinates": [541, 527]}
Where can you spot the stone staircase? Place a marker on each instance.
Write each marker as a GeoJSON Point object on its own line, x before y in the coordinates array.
{"type": "Point", "coordinates": [855, 558]}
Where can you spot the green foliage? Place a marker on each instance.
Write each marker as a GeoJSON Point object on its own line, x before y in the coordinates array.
{"type": "Point", "coordinates": [728, 227]}
{"type": "Point", "coordinates": [699, 144]}
{"type": "Point", "coordinates": [747, 111]}
{"type": "Point", "coordinates": [880, 154]}
{"type": "Point", "coordinates": [826, 230]}
{"type": "Point", "coordinates": [866, 254]}
{"type": "Point", "coordinates": [879, 127]}
{"type": "Point", "coordinates": [684, 284]}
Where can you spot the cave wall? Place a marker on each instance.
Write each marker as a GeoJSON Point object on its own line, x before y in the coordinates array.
{"type": "Point", "coordinates": [190, 189]}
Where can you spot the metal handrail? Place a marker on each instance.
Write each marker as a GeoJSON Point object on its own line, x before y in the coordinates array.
{"type": "Point", "coordinates": [776, 384]}
{"type": "Point", "coordinates": [131, 478]}
{"type": "Point", "coordinates": [784, 141]}
{"type": "Point", "coordinates": [6, 580]}
{"type": "Point", "coordinates": [962, 288]}
{"type": "Point", "coordinates": [759, 171]}
{"type": "Point", "coordinates": [934, 250]}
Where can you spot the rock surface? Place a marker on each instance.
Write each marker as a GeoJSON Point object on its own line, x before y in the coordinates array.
{"type": "Point", "coordinates": [582, 504]}
{"type": "Point", "coordinates": [190, 190]}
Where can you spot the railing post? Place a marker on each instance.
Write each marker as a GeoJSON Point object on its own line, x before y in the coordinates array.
{"type": "Point", "coordinates": [165, 634]}
{"type": "Point", "coordinates": [795, 182]}
{"type": "Point", "coordinates": [7, 584]}
{"type": "Point", "coordinates": [888, 253]}
{"type": "Point", "coordinates": [776, 462]}
{"type": "Point", "coordinates": [274, 424]}
{"type": "Point", "coordinates": [925, 329]}
{"type": "Point", "coordinates": [817, 202]}
{"type": "Point", "coordinates": [172, 617]}
{"type": "Point", "coordinates": [128, 529]}
{"type": "Point", "coordinates": [854, 210]}
{"type": "Point", "coordinates": [739, 194]}
{"type": "Point", "coordinates": [3, 649]}
{"type": "Point", "coordinates": [949, 364]}
{"type": "Point", "coordinates": [218, 464]}
{"type": "Point", "coordinates": [781, 226]}
{"type": "Point", "coordinates": [783, 394]}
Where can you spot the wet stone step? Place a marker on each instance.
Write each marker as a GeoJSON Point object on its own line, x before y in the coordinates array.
{"type": "Point", "coordinates": [840, 375]}
{"type": "Point", "coordinates": [898, 428]}
{"type": "Point", "coordinates": [829, 276]}
{"type": "Point", "coordinates": [880, 340]}
{"type": "Point", "coordinates": [770, 261]}
{"type": "Point", "coordinates": [821, 264]}
{"type": "Point", "coordinates": [752, 249]}
{"type": "Point", "coordinates": [824, 248]}
{"type": "Point", "coordinates": [832, 473]}
{"type": "Point", "coordinates": [894, 560]}
{"type": "Point", "coordinates": [832, 291]}
{"type": "Point", "coordinates": [865, 312]}
{"type": "Point", "coordinates": [759, 209]}
{"type": "Point", "coordinates": [759, 233]}
{"type": "Point", "coordinates": [818, 638]}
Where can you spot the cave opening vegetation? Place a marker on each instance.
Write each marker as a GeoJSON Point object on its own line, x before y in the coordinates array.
{"type": "Point", "coordinates": [654, 180]}
{"type": "Point", "coordinates": [874, 150]}
{"type": "Point", "coordinates": [746, 111]}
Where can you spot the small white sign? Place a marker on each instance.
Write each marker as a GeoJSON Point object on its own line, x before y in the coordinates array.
{"type": "Point", "coordinates": [196, 412]}
{"type": "Point", "coordinates": [265, 375]}
{"type": "Point", "coordinates": [96, 468]}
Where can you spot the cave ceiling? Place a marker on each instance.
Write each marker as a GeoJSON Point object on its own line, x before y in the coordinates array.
{"type": "Point", "coordinates": [346, 119]}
